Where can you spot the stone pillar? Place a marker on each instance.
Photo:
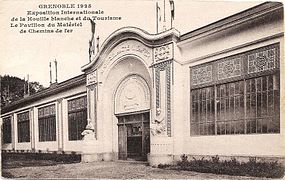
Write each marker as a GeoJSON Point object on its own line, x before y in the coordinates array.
{"type": "Point", "coordinates": [161, 142]}
{"type": "Point", "coordinates": [91, 148]}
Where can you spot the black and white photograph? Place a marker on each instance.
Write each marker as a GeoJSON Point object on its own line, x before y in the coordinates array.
{"type": "Point", "coordinates": [142, 89]}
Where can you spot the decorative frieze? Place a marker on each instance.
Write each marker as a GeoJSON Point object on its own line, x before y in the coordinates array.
{"type": "Point", "coordinates": [202, 75]}
{"type": "Point", "coordinates": [133, 47]}
{"type": "Point", "coordinates": [239, 66]}
{"type": "Point", "coordinates": [127, 47]}
{"type": "Point", "coordinates": [262, 60]}
{"type": "Point", "coordinates": [230, 68]}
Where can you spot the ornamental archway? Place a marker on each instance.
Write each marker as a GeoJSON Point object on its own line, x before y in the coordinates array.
{"type": "Point", "coordinates": [132, 105]}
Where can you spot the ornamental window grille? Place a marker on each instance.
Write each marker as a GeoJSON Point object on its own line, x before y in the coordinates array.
{"type": "Point", "coordinates": [23, 126]}
{"type": "Point", "coordinates": [7, 130]}
{"type": "Point", "coordinates": [47, 123]}
{"type": "Point", "coordinates": [77, 117]}
{"type": "Point", "coordinates": [241, 100]}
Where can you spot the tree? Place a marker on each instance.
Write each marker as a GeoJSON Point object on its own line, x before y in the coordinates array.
{"type": "Point", "coordinates": [12, 89]}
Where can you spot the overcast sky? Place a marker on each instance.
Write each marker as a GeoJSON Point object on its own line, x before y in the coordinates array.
{"type": "Point", "coordinates": [23, 54]}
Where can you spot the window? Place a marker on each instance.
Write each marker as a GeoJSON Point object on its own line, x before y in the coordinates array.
{"type": "Point", "coordinates": [23, 127]}
{"type": "Point", "coordinates": [77, 117]}
{"type": "Point", "coordinates": [7, 133]}
{"type": "Point", "coordinates": [47, 123]}
{"type": "Point", "coordinates": [237, 95]}
{"type": "Point", "coordinates": [230, 108]}
{"type": "Point", "coordinates": [203, 111]}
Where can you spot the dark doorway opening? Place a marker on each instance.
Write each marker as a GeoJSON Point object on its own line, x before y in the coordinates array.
{"type": "Point", "coordinates": [133, 137]}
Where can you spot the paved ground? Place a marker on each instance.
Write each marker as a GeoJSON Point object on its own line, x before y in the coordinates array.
{"type": "Point", "coordinates": [109, 170]}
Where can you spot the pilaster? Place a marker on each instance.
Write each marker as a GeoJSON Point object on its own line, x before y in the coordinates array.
{"type": "Point", "coordinates": [161, 147]}
{"type": "Point", "coordinates": [33, 117]}
{"type": "Point", "coordinates": [15, 133]}
{"type": "Point", "coordinates": [59, 124]}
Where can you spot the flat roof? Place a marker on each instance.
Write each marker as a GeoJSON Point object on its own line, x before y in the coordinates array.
{"type": "Point", "coordinates": [253, 11]}
{"type": "Point", "coordinates": [53, 89]}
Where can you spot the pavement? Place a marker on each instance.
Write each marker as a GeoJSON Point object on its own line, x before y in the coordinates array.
{"type": "Point", "coordinates": [107, 170]}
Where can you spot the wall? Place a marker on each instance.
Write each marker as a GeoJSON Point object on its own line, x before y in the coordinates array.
{"type": "Point", "coordinates": [253, 34]}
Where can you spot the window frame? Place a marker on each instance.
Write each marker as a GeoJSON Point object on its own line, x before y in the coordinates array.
{"type": "Point", "coordinates": [76, 113]}
{"type": "Point", "coordinates": [213, 82]}
{"type": "Point", "coordinates": [48, 123]}
{"type": "Point", "coordinates": [7, 130]}
{"type": "Point", "coordinates": [21, 127]}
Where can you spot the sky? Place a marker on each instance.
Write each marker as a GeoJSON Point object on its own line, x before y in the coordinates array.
{"type": "Point", "coordinates": [30, 53]}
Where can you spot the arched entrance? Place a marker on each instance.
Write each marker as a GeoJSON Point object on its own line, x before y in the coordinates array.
{"type": "Point", "coordinates": [132, 105]}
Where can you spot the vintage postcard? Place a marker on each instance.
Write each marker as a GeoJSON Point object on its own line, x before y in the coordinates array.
{"type": "Point", "coordinates": [144, 89]}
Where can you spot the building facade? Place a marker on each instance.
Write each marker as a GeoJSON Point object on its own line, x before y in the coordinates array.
{"type": "Point", "coordinates": [217, 90]}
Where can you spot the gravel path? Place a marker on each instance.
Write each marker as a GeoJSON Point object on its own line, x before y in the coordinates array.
{"type": "Point", "coordinates": [107, 170]}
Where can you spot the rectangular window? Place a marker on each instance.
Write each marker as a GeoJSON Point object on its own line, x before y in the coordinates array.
{"type": "Point", "coordinates": [203, 113]}
{"type": "Point", "coordinates": [47, 123]}
{"type": "Point", "coordinates": [239, 94]}
{"type": "Point", "coordinates": [77, 117]}
{"type": "Point", "coordinates": [242, 107]}
{"type": "Point", "coordinates": [23, 120]}
{"type": "Point", "coordinates": [7, 130]}
{"type": "Point", "coordinates": [230, 108]}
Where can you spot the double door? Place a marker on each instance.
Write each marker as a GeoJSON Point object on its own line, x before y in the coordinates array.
{"type": "Point", "coordinates": [133, 137]}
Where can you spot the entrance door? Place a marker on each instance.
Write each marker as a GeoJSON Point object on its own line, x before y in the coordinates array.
{"type": "Point", "coordinates": [134, 136]}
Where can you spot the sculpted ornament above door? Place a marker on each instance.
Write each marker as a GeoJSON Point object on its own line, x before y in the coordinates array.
{"type": "Point", "coordinates": [132, 95]}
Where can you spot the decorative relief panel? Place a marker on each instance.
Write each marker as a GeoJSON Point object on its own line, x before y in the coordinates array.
{"type": "Point", "coordinates": [261, 61]}
{"type": "Point", "coordinates": [202, 75]}
{"type": "Point", "coordinates": [161, 124]}
{"type": "Point", "coordinates": [168, 100]}
{"type": "Point", "coordinates": [91, 78]}
{"type": "Point", "coordinates": [132, 95]}
{"type": "Point", "coordinates": [157, 90]}
{"type": "Point", "coordinates": [230, 68]}
{"type": "Point", "coordinates": [163, 53]}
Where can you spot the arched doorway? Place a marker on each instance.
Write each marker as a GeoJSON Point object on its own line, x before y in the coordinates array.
{"type": "Point", "coordinates": [132, 105]}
